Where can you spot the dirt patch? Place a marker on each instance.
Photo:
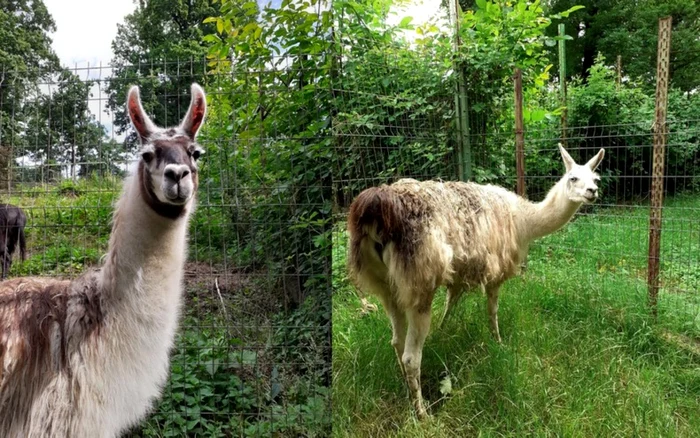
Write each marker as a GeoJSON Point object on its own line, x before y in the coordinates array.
{"type": "Point", "coordinates": [684, 342]}
{"type": "Point", "coordinates": [243, 294]}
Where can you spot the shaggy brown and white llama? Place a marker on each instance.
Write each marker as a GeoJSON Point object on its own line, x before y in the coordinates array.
{"type": "Point", "coordinates": [87, 357]}
{"type": "Point", "coordinates": [408, 238]}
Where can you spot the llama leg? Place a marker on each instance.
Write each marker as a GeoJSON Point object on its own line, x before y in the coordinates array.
{"type": "Point", "coordinates": [492, 294]}
{"type": "Point", "coordinates": [398, 329]}
{"type": "Point", "coordinates": [5, 267]}
{"type": "Point", "coordinates": [418, 328]}
{"type": "Point", "coordinates": [8, 264]}
{"type": "Point", "coordinates": [454, 293]}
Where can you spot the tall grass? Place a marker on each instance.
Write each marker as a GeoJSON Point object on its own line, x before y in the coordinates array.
{"type": "Point", "coordinates": [580, 355]}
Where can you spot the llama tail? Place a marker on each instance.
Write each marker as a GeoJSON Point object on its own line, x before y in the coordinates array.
{"type": "Point", "coordinates": [22, 244]}
{"type": "Point", "coordinates": [376, 214]}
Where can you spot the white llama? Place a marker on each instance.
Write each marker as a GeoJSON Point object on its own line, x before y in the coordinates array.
{"type": "Point", "coordinates": [408, 238]}
{"type": "Point", "coordinates": [88, 357]}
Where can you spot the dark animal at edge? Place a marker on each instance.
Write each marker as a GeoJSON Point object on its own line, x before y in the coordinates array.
{"type": "Point", "coordinates": [12, 223]}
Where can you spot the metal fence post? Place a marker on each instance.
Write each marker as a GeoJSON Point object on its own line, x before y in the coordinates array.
{"type": "Point", "coordinates": [464, 158]}
{"type": "Point", "coordinates": [657, 180]}
{"type": "Point", "coordinates": [562, 83]}
{"type": "Point", "coordinates": [519, 134]}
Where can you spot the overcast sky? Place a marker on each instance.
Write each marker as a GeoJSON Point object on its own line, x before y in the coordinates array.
{"type": "Point", "coordinates": [86, 28]}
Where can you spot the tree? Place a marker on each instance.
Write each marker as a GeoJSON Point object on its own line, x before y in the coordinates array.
{"type": "Point", "coordinates": [159, 47]}
{"type": "Point", "coordinates": [629, 28]}
{"type": "Point", "coordinates": [64, 132]}
{"type": "Point", "coordinates": [26, 58]}
{"type": "Point", "coordinates": [272, 67]}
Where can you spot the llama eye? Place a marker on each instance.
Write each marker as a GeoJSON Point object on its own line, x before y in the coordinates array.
{"type": "Point", "coordinates": [573, 179]}
{"type": "Point", "coordinates": [147, 156]}
{"type": "Point", "coordinates": [597, 180]}
{"type": "Point", "coordinates": [196, 154]}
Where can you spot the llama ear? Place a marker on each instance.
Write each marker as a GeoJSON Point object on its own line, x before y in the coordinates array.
{"type": "Point", "coordinates": [569, 162]}
{"type": "Point", "coordinates": [195, 114]}
{"type": "Point", "coordinates": [142, 123]}
{"type": "Point", "coordinates": [595, 161]}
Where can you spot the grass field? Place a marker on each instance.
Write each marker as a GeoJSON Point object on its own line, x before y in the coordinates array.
{"type": "Point", "coordinates": [580, 355]}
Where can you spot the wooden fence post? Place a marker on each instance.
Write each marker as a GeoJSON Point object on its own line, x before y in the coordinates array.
{"type": "Point", "coordinates": [657, 179]}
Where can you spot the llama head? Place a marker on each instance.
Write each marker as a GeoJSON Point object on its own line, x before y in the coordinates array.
{"type": "Point", "coordinates": [168, 157]}
{"type": "Point", "coordinates": [581, 181]}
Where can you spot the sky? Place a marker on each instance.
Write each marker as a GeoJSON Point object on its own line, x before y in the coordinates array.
{"type": "Point", "coordinates": [86, 28]}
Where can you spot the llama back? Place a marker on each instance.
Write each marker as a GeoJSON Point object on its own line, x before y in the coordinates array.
{"type": "Point", "coordinates": [418, 235]}
{"type": "Point", "coordinates": [481, 231]}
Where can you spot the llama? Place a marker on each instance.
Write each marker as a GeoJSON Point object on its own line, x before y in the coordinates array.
{"type": "Point", "coordinates": [87, 357]}
{"type": "Point", "coordinates": [12, 223]}
{"type": "Point", "coordinates": [408, 238]}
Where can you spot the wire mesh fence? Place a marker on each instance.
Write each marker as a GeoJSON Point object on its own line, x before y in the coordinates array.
{"type": "Point", "coordinates": [403, 123]}
{"type": "Point", "coordinates": [252, 354]}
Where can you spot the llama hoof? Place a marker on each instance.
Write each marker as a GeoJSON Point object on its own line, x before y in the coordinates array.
{"type": "Point", "coordinates": [422, 415]}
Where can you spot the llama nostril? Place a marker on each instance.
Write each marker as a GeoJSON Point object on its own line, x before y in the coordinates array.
{"type": "Point", "coordinates": [592, 191]}
{"type": "Point", "coordinates": [170, 174]}
{"type": "Point", "coordinates": [184, 173]}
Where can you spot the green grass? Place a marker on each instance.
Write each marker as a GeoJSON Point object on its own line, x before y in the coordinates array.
{"type": "Point", "coordinates": [68, 225]}
{"type": "Point", "coordinates": [580, 355]}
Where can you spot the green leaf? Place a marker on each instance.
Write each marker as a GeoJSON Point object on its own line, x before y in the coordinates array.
{"type": "Point", "coordinates": [566, 13]}
{"type": "Point", "coordinates": [537, 115]}
{"type": "Point", "coordinates": [446, 386]}
{"type": "Point", "coordinates": [405, 22]}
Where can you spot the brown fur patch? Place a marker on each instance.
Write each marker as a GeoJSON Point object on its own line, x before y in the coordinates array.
{"type": "Point", "coordinates": [43, 322]}
{"type": "Point", "coordinates": [398, 215]}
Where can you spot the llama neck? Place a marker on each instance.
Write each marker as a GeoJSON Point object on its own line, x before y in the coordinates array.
{"type": "Point", "coordinates": [146, 250]}
{"type": "Point", "coordinates": [546, 217]}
